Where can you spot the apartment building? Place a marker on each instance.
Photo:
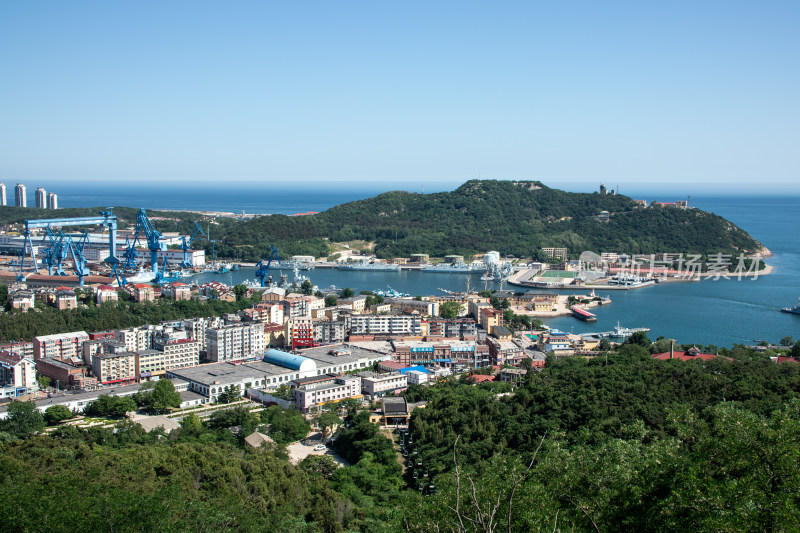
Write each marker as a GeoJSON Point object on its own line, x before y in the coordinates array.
{"type": "Point", "coordinates": [60, 345]}
{"type": "Point", "coordinates": [106, 293]}
{"type": "Point", "coordinates": [234, 342]}
{"type": "Point", "coordinates": [66, 299]}
{"type": "Point", "coordinates": [329, 331]}
{"type": "Point", "coordinates": [177, 291]}
{"type": "Point", "coordinates": [454, 328]}
{"type": "Point", "coordinates": [17, 375]}
{"type": "Point", "coordinates": [423, 307]}
{"type": "Point", "coordinates": [136, 339]}
{"type": "Point", "coordinates": [335, 390]}
{"type": "Point", "coordinates": [410, 325]}
{"type": "Point", "coordinates": [116, 368]}
{"type": "Point", "coordinates": [376, 385]}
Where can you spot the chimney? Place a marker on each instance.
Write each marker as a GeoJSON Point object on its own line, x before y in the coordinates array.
{"type": "Point", "coordinates": [671, 348]}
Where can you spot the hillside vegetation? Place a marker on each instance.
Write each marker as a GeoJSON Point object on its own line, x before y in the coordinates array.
{"type": "Point", "coordinates": [516, 218]}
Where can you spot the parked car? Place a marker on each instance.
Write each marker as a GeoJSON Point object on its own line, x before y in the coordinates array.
{"type": "Point", "coordinates": [320, 447]}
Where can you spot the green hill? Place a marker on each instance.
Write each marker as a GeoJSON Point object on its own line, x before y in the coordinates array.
{"type": "Point", "coordinates": [514, 218]}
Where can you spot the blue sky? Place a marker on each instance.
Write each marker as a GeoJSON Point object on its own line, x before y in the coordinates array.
{"type": "Point", "coordinates": [690, 96]}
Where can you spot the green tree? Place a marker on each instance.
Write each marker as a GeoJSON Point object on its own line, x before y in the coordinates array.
{"type": "Point", "coordinates": [240, 290]}
{"type": "Point", "coordinates": [231, 394]}
{"type": "Point", "coordinates": [347, 292]}
{"type": "Point", "coordinates": [450, 309]}
{"type": "Point", "coordinates": [639, 338]}
{"type": "Point", "coordinates": [23, 420]}
{"type": "Point", "coordinates": [787, 341]}
{"type": "Point", "coordinates": [330, 300]}
{"type": "Point", "coordinates": [164, 396]}
{"type": "Point", "coordinates": [285, 425]}
{"type": "Point", "coordinates": [44, 381]}
{"type": "Point", "coordinates": [307, 288]}
{"type": "Point", "coordinates": [55, 414]}
{"type": "Point", "coordinates": [326, 422]}
{"type": "Point", "coordinates": [604, 345]}
{"type": "Point", "coordinates": [795, 351]}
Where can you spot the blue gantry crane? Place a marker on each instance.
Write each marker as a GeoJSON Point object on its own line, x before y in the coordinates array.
{"type": "Point", "coordinates": [154, 240]}
{"type": "Point", "coordinates": [162, 270]}
{"type": "Point", "coordinates": [187, 243]}
{"type": "Point", "coordinates": [262, 269]}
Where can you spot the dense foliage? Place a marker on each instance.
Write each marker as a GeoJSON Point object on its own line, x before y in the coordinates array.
{"type": "Point", "coordinates": [512, 217]}
{"type": "Point", "coordinates": [616, 443]}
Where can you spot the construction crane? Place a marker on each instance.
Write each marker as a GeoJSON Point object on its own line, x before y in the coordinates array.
{"type": "Point", "coordinates": [19, 263]}
{"type": "Point", "coordinates": [154, 240]}
{"type": "Point", "coordinates": [262, 269]}
{"type": "Point", "coordinates": [186, 244]}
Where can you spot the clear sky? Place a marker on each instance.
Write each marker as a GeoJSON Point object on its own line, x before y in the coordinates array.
{"type": "Point", "coordinates": [685, 95]}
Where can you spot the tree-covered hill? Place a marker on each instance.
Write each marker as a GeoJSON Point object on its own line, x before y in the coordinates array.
{"type": "Point", "coordinates": [516, 218]}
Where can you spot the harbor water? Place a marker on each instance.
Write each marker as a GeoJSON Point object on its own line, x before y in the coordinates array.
{"type": "Point", "coordinates": [721, 312]}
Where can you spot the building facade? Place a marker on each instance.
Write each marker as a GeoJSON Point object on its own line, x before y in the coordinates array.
{"type": "Point", "coordinates": [60, 345]}
{"type": "Point", "coordinates": [234, 342]}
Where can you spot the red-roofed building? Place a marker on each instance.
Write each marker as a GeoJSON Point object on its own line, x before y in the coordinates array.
{"type": "Point", "coordinates": [692, 354]}
{"type": "Point", "coordinates": [106, 293]}
{"type": "Point", "coordinates": [144, 293]}
{"type": "Point", "coordinates": [480, 378]}
{"type": "Point", "coordinates": [785, 359]}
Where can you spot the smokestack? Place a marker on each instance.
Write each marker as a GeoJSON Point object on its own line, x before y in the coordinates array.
{"type": "Point", "coordinates": [671, 348]}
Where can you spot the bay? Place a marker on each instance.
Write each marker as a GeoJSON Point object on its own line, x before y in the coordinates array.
{"type": "Point", "coordinates": [720, 312]}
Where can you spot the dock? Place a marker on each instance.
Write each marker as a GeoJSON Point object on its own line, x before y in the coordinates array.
{"type": "Point", "coordinates": [582, 314]}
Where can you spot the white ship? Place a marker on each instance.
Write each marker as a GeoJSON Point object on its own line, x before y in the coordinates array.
{"type": "Point", "coordinates": [142, 276]}
{"type": "Point", "coordinates": [449, 268]}
{"type": "Point", "coordinates": [374, 267]}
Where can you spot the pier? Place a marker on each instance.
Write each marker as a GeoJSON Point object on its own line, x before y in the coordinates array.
{"type": "Point", "coordinates": [582, 314]}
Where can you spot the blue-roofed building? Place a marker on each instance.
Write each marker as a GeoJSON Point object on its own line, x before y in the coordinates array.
{"type": "Point", "coordinates": [418, 368]}
{"type": "Point", "coordinates": [288, 360]}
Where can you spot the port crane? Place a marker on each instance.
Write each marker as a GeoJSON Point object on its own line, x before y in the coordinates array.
{"type": "Point", "coordinates": [155, 242]}
{"type": "Point", "coordinates": [262, 269]}
{"type": "Point", "coordinates": [186, 244]}
{"type": "Point", "coordinates": [161, 274]}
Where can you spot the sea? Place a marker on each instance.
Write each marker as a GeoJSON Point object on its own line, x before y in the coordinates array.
{"type": "Point", "coordinates": [720, 312]}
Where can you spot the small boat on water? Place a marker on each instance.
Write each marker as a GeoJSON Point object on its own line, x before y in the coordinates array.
{"type": "Point", "coordinates": [793, 310]}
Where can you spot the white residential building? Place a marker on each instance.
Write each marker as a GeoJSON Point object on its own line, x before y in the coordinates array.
{"type": "Point", "coordinates": [59, 346]}
{"type": "Point", "coordinates": [386, 325]}
{"type": "Point", "coordinates": [234, 342]}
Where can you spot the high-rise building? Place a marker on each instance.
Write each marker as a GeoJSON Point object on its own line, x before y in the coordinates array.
{"type": "Point", "coordinates": [2, 194]}
{"type": "Point", "coordinates": [52, 200]}
{"type": "Point", "coordinates": [41, 198]}
{"type": "Point", "coordinates": [21, 195]}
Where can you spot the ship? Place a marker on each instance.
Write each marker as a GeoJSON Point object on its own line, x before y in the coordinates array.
{"type": "Point", "coordinates": [142, 276]}
{"type": "Point", "coordinates": [372, 267]}
{"type": "Point", "coordinates": [291, 265]}
{"type": "Point", "coordinates": [449, 268]}
{"type": "Point", "coordinates": [794, 310]}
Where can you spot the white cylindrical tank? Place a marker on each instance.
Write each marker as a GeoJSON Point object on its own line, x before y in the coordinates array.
{"type": "Point", "coordinates": [491, 258]}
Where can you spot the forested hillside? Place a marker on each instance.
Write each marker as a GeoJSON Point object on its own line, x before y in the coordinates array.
{"type": "Point", "coordinates": [516, 218]}
{"type": "Point", "coordinates": [512, 217]}
{"type": "Point", "coordinates": [617, 443]}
